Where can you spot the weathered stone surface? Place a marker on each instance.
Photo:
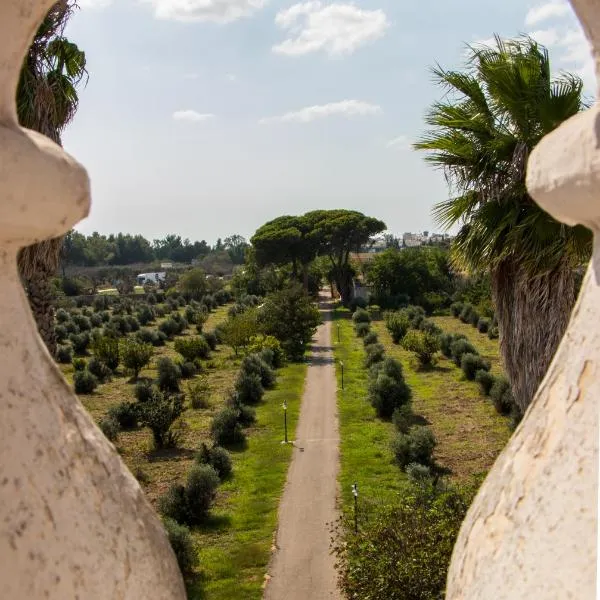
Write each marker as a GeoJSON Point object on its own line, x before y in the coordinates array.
{"type": "Point", "coordinates": [74, 523]}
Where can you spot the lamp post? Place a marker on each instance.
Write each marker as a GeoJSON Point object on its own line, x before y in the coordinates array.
{"type": "Point", "coordinates": [355, 494]}
{"type": "Point", "coordinates": [342, 365]}
{"type": "Point", "coordinates": [338, 329]}
{"type": "Point", "coordinates": [285, 441]}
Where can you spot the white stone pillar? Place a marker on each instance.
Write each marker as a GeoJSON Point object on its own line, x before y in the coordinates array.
{"type": "Point", "coordinates": [74, 522]}
{"type": "Point", "coordinates": [532, 530]}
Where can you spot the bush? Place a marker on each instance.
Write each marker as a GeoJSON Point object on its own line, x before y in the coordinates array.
{"type": "Point", "coordinates": [403, 418]}
{"type": "Point", "coordinates": [79, 364]}
{"type": "Point", "coordinates": [485, 380]}
{"type": "Point", "coordinates": [200, 492]}
{"type": "Point", "coordinates": [82, 322]}
{"type": "Point", "coordinates": [249, 388]}
{"type": "Point", "coordinates": [96, 320]}
{"type": "Point", "coordinates": [418, 473]}
{"type": "Point", "coordinates": [501, 395]}
{"type": "Point", "coordinates": [84, 382]}
{"type": "Point", "coordinates": [390, 366]}
{"type": "Point", "coordinates": [143, 391]}
{"type": "Point", "coordinates": [370, 338]}
{"type": "Point", "coordinates": [70, 327]}
{"type": "Point", "coordinates": [446, 341]}
{"type": "Point", "coordinates": [64, 354]}
{"type": "Point", "coordinates": [415, 315]}
{"type": "Point", "coordinates": [183, 545]}
{"type": "Point", "coordinates": [397, 324]}
{"type": "Point", "coordinates": [107, 350]}
{"type": "Point", "coordinates": [169, 375]}
{"type": "Point", "coordinates": [361, 316]}
{"type": "Point", "coordinates": [61, 333]}
{"type": "Point", "coordinates": [148, 336]}
{"type": "Point", "coordinates": [387, 394]}
{"type": "Point", "coordinates": [159, 413]}
{"type": "Point", "coordinates": [471, 363]}
{"type": "Point", "coordinates": [456, 308]}
{"type": "Point", "coordinates": [465, 313]}
{"type": "Point", "coordinates": [99, 369]}
{"type": "Point", "coordinates": [110, 428]}
{"type": "Point", "coordinates": [474, 318]}
{"type": "Point", "coordinates": [246, 415]}
{"type": "Point", "coordinates": [362, 329]}
{"type": "Point", "coordinates": [460, 347]}
{"type": "Point", "coordinates": [253, 363]}
{"type": "Point", "coordinates": [126, 414]}
{"type": "Point", "coordinates": [218, 458]}
{"type": "Point", "coordinates": [145, 315]}
{"type": "Point", "coordinates": [483, 325]}
{"type": "Point", "coordinates": [423, 344]}
{"type": "Point", "coordinates": [198, 393]}
{"type": "Point", "coordinates": [225, 428]}
{"type": "Point", "coordinates": [80, 342]}
{"type": "Point", "coordinates": [416, 446]}
{"type": "Point", "coordinates": [62, 316]}
{"type": "Point", "coordinates": [136, 355]}
{"type": "Point", "coordinates": [374, 353]}
{"type": "Point", "coordinates": [211, 339]}
{"type": "Point", "coordinates": [187, 370]}
{"type": "Point", "coordinates": [493, 333]}
{"type": "Point", "coordinates": [430, 327]}
{"type": "Point", "coordinates": [169, 327]}
{"type": "Point", "coordinates": [192, 348]}
{"type": "Point", "coordinates": [357, 303]}
{"type": "Point", "coordinates": [260, 343]}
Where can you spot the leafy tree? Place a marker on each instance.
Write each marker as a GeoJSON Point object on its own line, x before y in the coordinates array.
{"type": "Point", "coordinates": [492, 116]}
{"type": "Point", "coordinates": [292, 318]}
{"type": "Point", "coordinates": [193, 283]}
{"type": "Point", "coordinates": [136, 355]}
{"type": "Point", "coordinates": [47, 100]}
{"type": "Point", "coordinates": [239, 329]}
{"type": "Point", "coordinates": [236, 248]}
{"type": "Point", "coordinates": [341, 232]}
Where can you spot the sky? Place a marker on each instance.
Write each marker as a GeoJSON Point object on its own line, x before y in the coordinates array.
{"type": "Point", "coordinates": [207, 118]}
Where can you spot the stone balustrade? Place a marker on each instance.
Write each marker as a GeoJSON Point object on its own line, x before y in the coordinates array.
{"type": "Point", "coordinates": [74, 522]}
{"type": "Point", "coordinates": [532, 530]}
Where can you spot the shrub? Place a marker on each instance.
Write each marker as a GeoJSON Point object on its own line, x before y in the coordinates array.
{"type": "Point", "coordinates": [70, 327]}
{"type": "Point", "coordinates": [79, 364]}
{"type": "Point", "coordinates": [485, 380]}
{"type": "Point", "coordinates": [135, 355]}
{"type": "Point", "coordinates": [62, 316]}
{"type": "Point", "coordinates": [99, 369]}
{"type": "Point", "coordinates": [198, 393]}
{"type": "Point", "coordinates": [471, 363]}
{"type": "Point", "coordinates": [107, 350]}
{"type": "Point", "coordinates": [169, 327]}
{"type": "Point", "coordinates": [446, 341]}
{"type": "Point", "coordinates": [147, 336]}
{"type": "Point", "coordinates": [456, 308]}
{"type": "Point", "coordinates": [64, 354]}
{"type": "Point", "coordinates": [501, 395]}
{"type": "Point", "coordinates": [183, 545]}
{"type": "Point", "coordinates": [211, 339]}
{"type": "Point", "coordinates": [474, 318]}
{"type": "Point", "coordinates": [192, 348]}
{"type": "Point", "coordinates": [415, 315]}
{"type": "Point", "coordinates": [168, 375]}
{"type": "Point", "coordinates": [110, 428]}
{"type": "Point", "coordinates": [362, 329]}
{"type": "Point", "coordinates": [143, 391]}
{"type": "Point", "coordinates": [200, 492]}
{"type": "Point", "coordinates": [159, 413]}
{"type": "Point", "coordinates": [80, 342]}
{"type": "Point", "coordinates": [84, 382]}
{"type": "Point", "coordinates": [260, 343]}
{"type": "Point", "coordinates": [418, 473]}
{"type": "Point", "coordinates": [249, 388]}
{"type": "Point", "coordinates": [370, 338]}
{"type": "Point", "coordinates": [105, 316]}
{"type": "Point", "coordinates": [172, 504]}
{"type": "Point", "coordinates": [126, 414]}
{"type": "Point", "coordinates": [61, 333]}
{"type": "Point", "coordinates": [397, 324]}
{"type": "Point", "coordinates": [460, 347]}
{"type": "Point", "coordinates": [82, 322]}
{"type": "Point", "coordinates": [430, 327]}
{"type": "Point", "coordinates": [493, 333]}
{"type": "Point", "coordinates": [187, 370]}
{"type": "Point", "coordinates": [386, 394]}
{"type": "Point", "coordinates": [96, 320]}
{"type": "Point", "coordinates": [190, 314]}
{"type": "Point", "coordinates": [120, 325]}
{"type": "Point", "coordinates": [361, 316]}
{"type": "Point", "coordinates": [416, 446]}
{"type": "Point", "coordinates": [390, 366]}
{"type": "Point", "coordinates": [218, 458]}
{"type": "Point", "coordinates": [423, 344]}
{"type": "Point", "coordinates": [374, 353]}
{"type": "Point", "coordinates": [145, 315]}
{"type": "Point", "coordinates": [253, 363]}
{"type": "Point", "coordinates": [402, 418]}
{"type": "Point", "coordinates": [225, 428]}
{"type": "Point", "coordinates": [357, 303]}
{"type": "Point", "coordinates": [483, 325]}
{"type": "Point", "coordinates": [246, 415]}
{"type": "Point", "coordinates": [465, 313]}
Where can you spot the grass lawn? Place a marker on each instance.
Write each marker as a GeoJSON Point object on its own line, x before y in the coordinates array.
{"type": "Point", "coordinates": [470, 433]}
{"type": "Point", "coordinates": [365, 440]}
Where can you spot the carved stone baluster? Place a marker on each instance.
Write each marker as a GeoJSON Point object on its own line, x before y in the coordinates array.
{"type": "Point", "coordinates": [532, 530]}
{"type": "Point", "coordinates": [74, 523]}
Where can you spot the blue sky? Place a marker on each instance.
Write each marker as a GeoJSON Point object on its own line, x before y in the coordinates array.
{"type": "Point", "coordinates": [209, 117]}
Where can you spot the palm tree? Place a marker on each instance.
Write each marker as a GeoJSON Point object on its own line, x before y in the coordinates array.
{"type": "Point", "coordinates": [46, 102]}
{"type": "Point", "coordinates": [482, 133]}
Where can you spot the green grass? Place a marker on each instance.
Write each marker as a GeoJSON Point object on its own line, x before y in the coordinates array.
{"type": "Point", "coordinates": [470, 433]}
{"type": "Point", "coordinates": [365, 454]}
{"type": "Point", "coordinates": [236, 545]}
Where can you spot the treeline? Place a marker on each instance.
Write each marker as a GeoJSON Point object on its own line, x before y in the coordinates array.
{"type": "Point", "coordinates": [97, 250]}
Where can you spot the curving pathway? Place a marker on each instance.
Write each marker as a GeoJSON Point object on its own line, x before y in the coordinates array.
{"type": "Point", "coordinates": [302, 567]}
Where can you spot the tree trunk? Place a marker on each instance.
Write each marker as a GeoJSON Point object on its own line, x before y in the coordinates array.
{"type": "Point", "coordinates": [344, 285]}
{"type": "Point", "coordinates": [533, 314]}
{"type": "Point", "coordinates": [305, 278]}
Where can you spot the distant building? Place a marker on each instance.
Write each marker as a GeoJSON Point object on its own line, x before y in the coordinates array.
{"type": "Point", "coordinates": [412, 240]}
{"type": "Point", "coordinates": [166, 265]}
{"type": "Point", "coordinates": [155, 278]}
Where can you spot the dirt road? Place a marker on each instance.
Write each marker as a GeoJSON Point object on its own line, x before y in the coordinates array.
{"type": "Point", "coordinates": [302, 568]}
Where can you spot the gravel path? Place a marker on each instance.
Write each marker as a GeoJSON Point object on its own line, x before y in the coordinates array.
{"type": "Point", "coordinates": [302, 567]}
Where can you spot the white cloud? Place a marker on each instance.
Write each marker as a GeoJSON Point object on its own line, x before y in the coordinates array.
{"type": "Point", "coordinates": [336, 29]}
{"type": "Point", "coordinates": [190, 75]}
{"type": "Point", "coordinates": [549, 10]}
{"type": "Point", "coordinates": [192, 115]}
{"type": "Point", "coordinates": [231, 77]}
{"type": "Point", "coordinates": [217, 11]}
{"type": "Point", "coordinates": [399, 142]}
{"type": "Point", "coordinates": [546, 37]}
{"type": "Point", "coordinates": [346, 108]}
